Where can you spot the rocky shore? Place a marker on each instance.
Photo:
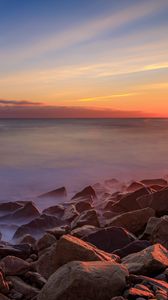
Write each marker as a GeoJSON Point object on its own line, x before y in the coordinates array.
{"type": "Point", "coordinates": [108, 242]}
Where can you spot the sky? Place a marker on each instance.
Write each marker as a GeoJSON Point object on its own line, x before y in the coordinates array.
{"type": "Point", "coordinates": [92, 58]}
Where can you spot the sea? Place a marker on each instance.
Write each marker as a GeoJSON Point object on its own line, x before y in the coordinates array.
{"type": "Point", "coordinates": [39, 155]}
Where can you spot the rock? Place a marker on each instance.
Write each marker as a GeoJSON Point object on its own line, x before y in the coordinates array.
{"type": "Point", "coordinates": [140, 290]}
{"type": "Point", "coordinates": [24, 214]}
{"type": "Point", "coordinates": [59, 231]}
{"type": "Point", "coordinates": [4, 287]}
{"type": "Point", "coordinates": [3, 297]}
{"type": "Point", "coordinates": [15, 295]}
{"type": "Point", "coordinates": [35, 278]}
{"type": "Point", "coordinates": [148, 261]}
{"type": "Point", "coordinates": [118, 298]}
{"type": "Point", "coordinates": [133, 221]}
{"type": "Point", "coordinates": [8, 207]}
{"type": "Point", "coordinates": [88, 217]}
{"type": "Point", "coordinates": [158, 181]}
{"type": "Point", "coordinates": [70, 214]}
{"type": "Point", "coordinates": [23, 288]}
{"type": "Point", "coordinates": [57, 193]}
{"type": "Point", "coordinates": [151, 282]}
{"type": "Point", "coordinates": [132, 247]}
{"type": "Point", "coordinates": [14, 251]}
{"type": "Point", "coordinates": [109, 214]}
{"type": "Point", "coordinates": [68, 248]}
{"type": "Point", "coordinates": [12, 265]}
{"type": "Point", "coordinates": [160, 232]}
{"type": "Point", "coordinates": [87, 193]}
{"type": "Point", "coordinates": [128, 202]}
{"type": "Point", "coordinates": [157, 201]}
{"type": "Point", "coordinates": [37, 227]}
{"type": "Point", "coordinates": [57, 210]}
{"type": "Point", "coordinates": [161, 294]}
{"type": "Point", "coordinates": [134, 186]}
{"type": "Point", "coordinates": [85, 280]}
{"type": "Point", "coordinates": [110, 239]}
{"type": "Point", "coordinates": [83, 231]}
{"type": "Point", "coordinates": [82, 206]}
{"type": "Point", "coordinates": [28, 239]}
{"type": "Point", "coordinates": [46, 241]}
{"type": "Point", "coordinates": [152, 222]}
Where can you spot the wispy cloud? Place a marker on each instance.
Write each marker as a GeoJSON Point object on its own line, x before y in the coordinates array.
{"type": "Point", "coordinates": [18, 102]}
{"type": "Point", "coordinates": [107, 97]}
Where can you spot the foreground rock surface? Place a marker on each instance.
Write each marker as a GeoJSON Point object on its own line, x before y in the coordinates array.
{"type": "Point", "coordinates": [85, 280]}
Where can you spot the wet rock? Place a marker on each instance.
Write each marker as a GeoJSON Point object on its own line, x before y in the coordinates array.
{"type": "Point", "coordinates": [151, 260]}
{"type": "Point", "coordinates": [128, 202]}
{"type": "Point", "coordinates": [4, 287]}
{"type": "Point", "coordinates": [23, 288]}
{"type": "Point", "coordinates": [110, 239]}
{"type": "Point", "coordinates": [36, 279]}
{"type": "Point", "coordinates": [70, 214]}
{"type": "Point", "coordinates": [85, 280]}
{"type": "Point", "coordinates": [24, 214]}
{"type": "Point", "coordinates": [82, 206]}
{"type": "Point", "coordinates": [88, 217]}
{"type": "Point", "coordinates": [87, 193]}
{"type": "Point", "coordinates": [57, 210]}
{"type": "Point", "coordinates": [57, 193]}
{"type": "Point", "coordinates": [160, 232]}
{"type": "Point", "coordinates": [157, 201]}
{"type": "Point", "coordinates": [83, 231]}
{"type": "Point", "coordinates": [132, 247]}
{"type": "Point", "coordinates": [69, 248]}
{"type": "Point", "coordinates": [12, 265]}
{"type": "Point", "coordinates": [37, 227]}
{"type": "Point", "coordinates": [59, 231]}
{"type": "Point", "coordinates": [46, 241]}
{"type": "Point", "coordinates": [133, 221]}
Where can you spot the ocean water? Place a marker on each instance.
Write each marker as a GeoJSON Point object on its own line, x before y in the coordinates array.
{"type": "Point", "coordinates": [40, 155]}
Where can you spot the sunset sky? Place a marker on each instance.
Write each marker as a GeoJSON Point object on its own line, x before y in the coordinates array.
{"type": "Point", "coordinates": [92, 58]}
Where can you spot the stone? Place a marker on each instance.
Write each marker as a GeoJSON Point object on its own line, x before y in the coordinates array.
{"type": "Point", "coordinates": [82, 206]}
{"type": "Point", "coordinates": [134, 186]}
{"type": "Point", "coordinates": [45, 241]}
{"type": "Point", "coordinates": [83, 231]}
{"type": "Point", "coordinates": [157, 201]}
{"type": "Point", "coordinates": [8, 207]}
{"type": "Point", "coordinates": [110, 239]}
{"type": "Point", "coordinates": [70, 214]}
{"type": "Point", "coordinates": [160, 232]}
{"type": "Point", "coordinates": [23, 288]}
{"type": "Point", "coordinates": [28, 239]}
{"type": "Point", "coordinates": [4, 287]}
{"type": "Point", "coordinates": [128, 202]}
{"type": "Point", "coordinates": [69, 248]}
{"type": "Point", "coordinates": [152, 222]}
{"type": "Point", "coordinates": [57, 193]}
{"type": "Point", "coordinates": [59, 231]}
{"type": "Point", "coordinates": [149, 261]}
{"type": "Point", "coordinates": [158, 181]}
{"type": "Point", "coordinates": [87, 193]}
{"type": "Point", "coordinates": [14, 250]}
{"type": "Point", "coordinates": [37, 227]}
{"type": "Point", "coordinates": [85, 280]}
{"type": "Point", "coordinates": [140, 290]}
{"type": "Point", "coordinates": [57, 210]}
{"type": "Point", "coordinates": [88, 217]}
{"type": "Point", "coordinates": [35, 278]}
{"type": "Point", "coordinates": [132, 247]}
{"type": "Point", "coordinates": [133, 221]}
{"type": "Point", "coordinates": [12, 265]}
{"type": "Point", "coordinates": [3, 297]}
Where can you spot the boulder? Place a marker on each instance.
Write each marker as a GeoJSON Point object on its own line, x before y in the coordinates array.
{"type": "Point", "coordinates": [132, 247]}
{"type": "Point", "coordinates": [15, 250]}
{"type": "Point", "coordinates": [24, 214]}
{"type": "Point", "coordinates": [152, 222]}
{"type": "Point", "coordinates": [57, 193]}
{"type": "Point", "coordinates": [82, 206]}
{"type": "Point", "coordinates": [45, 241]}
{"type": "Point", "coordinates": [28, 239]}
{"type": "Point", "coordinates": [149, 261]}
{"type": "Point", "coordinates": [88, 217]}
{"type": "Point", "coordinates": [37, 227]}
{"type": "Point", "coordinates": [36, 279]}
{"type": "Point", "coordinates": [158, 201]}
{"type": "Point", "coordinates": [110, 239]}
{"type": "Point", "coordinates": [56, 210]}
{"type": "Point", "coordinates": [87, 193]}
{"type": "Point", "coordinates": [70, 214]}
{"type": "Point", "coordinates": [4, 287]}
{"type": "Point", "coordinates": [158, 181]}
{"type": "Point", "coordinates": [128, 202]}
{"type": "Point", "coordinates": [140, 290]}
{"type": "Point", "coordinates": [59, 231]}
{"type": "Point", "coordinates": [69, 248]}
{"type": "Point", "coordinates": [85, 280]}
{"type": "Point", "coordinates": [160, 232]}
{"type": "Point", "coordinates": [12, 265]}
{"type": "Point", "coordinates": [134, 186]}
{"type": "Point", "coordinates": [23, 288]}
{"type": "Point", "coordinates": [133, 221]}
{"type": "Point", "coordinates": [8, 207]}
{"type": "Point", "coordinates": [3, 297]}
{"type": "Point", "coordinates": [83, 231]}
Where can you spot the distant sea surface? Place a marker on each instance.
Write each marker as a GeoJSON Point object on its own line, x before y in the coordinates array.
{"type": "Point", "coordinates": [40, 155]}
